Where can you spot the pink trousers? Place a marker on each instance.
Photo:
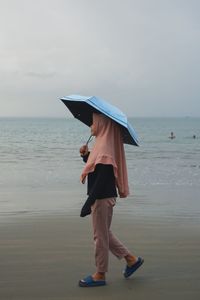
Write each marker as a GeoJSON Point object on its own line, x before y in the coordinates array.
{"type": "Point", "coordinates": [104, 240]}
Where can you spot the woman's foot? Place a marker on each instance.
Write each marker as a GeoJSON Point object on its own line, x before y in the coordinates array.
{"type": "Point", "coordinates": [97, 279]}
{"type": "Point", "coordinates": [131, 259]}
{"type": "Point", "coordinates": [99, 276]}
{"type": "Point", "coordinates": [130, 269]}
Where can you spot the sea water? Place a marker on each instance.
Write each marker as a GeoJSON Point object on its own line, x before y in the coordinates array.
{"type": "Point", "coordinates": [40, 164]}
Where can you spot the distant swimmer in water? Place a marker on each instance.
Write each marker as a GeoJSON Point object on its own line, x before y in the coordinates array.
{"type": "Point", "coordinates": [194, 136]}
{"type": "Point", "coordinates": [172, 136]}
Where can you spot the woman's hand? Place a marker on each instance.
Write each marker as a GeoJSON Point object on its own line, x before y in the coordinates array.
{"type": "Point", "coordinates": [83, 150]}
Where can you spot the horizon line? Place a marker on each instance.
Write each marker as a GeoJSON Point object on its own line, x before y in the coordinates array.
{"type": "Point", "coordinates": [71, 117]}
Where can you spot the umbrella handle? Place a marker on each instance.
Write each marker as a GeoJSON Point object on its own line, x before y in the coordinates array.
{"type": "Point", "coordinates": [89, 140]}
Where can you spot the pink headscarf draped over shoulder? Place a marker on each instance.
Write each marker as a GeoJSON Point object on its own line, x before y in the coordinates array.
{"type": "Point", "coordinates": [109, 150]}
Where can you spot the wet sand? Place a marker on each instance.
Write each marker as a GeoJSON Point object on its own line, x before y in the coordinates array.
{"type": "Point", "coordinates": [44, 257]}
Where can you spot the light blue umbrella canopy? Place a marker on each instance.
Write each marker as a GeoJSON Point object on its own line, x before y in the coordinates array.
{"type": "Point", "coordinates": [82, 107]}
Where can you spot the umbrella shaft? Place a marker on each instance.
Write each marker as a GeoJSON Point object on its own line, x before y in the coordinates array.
{"type": "Point", "coordinates": [89, 140]}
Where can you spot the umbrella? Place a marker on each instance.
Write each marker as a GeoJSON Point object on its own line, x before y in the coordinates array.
{"type": "Point", "coordinates": [83, 107]}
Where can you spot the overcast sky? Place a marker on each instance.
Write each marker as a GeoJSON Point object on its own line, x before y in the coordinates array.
{"type": "Point", "coordinates": [140, 55]}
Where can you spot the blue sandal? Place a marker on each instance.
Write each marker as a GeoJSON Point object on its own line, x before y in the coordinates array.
{"type": "Point", "coordinates": [90, 282]}
{"type": "Point", "coordinates": [130, 270]}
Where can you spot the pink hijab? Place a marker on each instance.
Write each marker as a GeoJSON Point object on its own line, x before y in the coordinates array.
{"type": "Point", "coordinates": [109, 150]}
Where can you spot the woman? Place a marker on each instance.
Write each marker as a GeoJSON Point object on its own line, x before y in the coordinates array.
{"type": "Point", "coordinates": [106, 174]}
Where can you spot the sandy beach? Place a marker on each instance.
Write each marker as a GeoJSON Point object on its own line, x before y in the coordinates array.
{"type": "Point", "coordinates": [43, 257]}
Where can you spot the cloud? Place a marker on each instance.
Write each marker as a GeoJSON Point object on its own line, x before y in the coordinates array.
{"type": "Point", "coordinates": [138, 54]}
{"type": "Point", "coordinates": [41, 75]}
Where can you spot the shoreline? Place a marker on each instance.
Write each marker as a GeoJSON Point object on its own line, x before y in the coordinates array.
{"type": "Point", "coordinates": [165, 202]}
